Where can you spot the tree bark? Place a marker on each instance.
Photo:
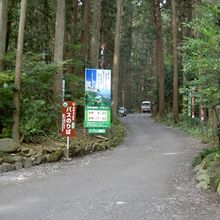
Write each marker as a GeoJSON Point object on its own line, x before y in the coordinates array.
{"type": "Point", "coordinates": [85, 29]}
{"type": "Point", "coordinates": [95, 33]}
{"type": "Point", "coordinates": [116, 59]}
{"type": "Point", "coordinates": [175, 63]}
{"type": "Point", "coordinates": [46, 28]}
{"type": "Point", "coordinates": [159, 59]}
{"type": "Point", "coordinates": [17, 82]}
{"type": "Point", "coordinates": [59, 49]}
{"type": "Point", "coordinates": [72, 37]}
{"type": "Point", "coordinates": [3, 30]}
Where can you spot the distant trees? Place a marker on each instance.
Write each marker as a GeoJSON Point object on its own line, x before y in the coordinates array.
{"type": "Point", "coordinates": [201, 59]}
{"type": "Point", "coordinates": [163, 51]}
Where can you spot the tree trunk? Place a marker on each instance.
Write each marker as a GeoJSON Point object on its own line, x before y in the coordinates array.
{"type": "Point", "coordinates": [3, 30]}
{"type": "Point", "coordinates": [46, 28]}
{"type": "Point", "coordinates": [17, 82]}
{"type": "Point", "coordinates": [159, 60]}
{"type": "Point", "coordinates": [95, 33]}
{"type": "Point", "coordinates": [72, 37]}
{"type": "Point", "coordinates": [59, 49]}
{"type": "Point", "coordinates": [85, 30]}
{"type": "Point", "coordinates": [116, 58]}
{"type": "Point", "coordinates": [175, 62]}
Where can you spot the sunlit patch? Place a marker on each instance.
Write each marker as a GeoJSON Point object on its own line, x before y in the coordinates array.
{"type": "Point", "coordinates": [120, 203]}
{"type": "Point", "coordinates": [21, 177]}
{"type": "Point", "coordinates": [172, 153]}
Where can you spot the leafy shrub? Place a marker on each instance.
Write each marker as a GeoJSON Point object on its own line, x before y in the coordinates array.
{"type": "Point", "coordinates": [6, 105]}
{"type": "Point", "coordinates": [203, 154]}
{"type": "Point", "coordinates": [36, 119]}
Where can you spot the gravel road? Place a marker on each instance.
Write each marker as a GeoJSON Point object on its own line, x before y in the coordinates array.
{"type": "Point", "coordinates": [149, 176]}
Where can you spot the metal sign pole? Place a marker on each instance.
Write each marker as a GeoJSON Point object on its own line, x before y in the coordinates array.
{"type": "Point", "coordinates": [67, 147]}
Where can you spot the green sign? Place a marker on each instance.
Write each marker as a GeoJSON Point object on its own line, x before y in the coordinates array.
{"type": "Point", "coordinates": [96, 131]}
{"type": "Point", "coordinates": [97, 99]}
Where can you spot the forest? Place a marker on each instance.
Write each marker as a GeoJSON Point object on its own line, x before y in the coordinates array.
{"type": "Point", "coordinates": [167, 52]}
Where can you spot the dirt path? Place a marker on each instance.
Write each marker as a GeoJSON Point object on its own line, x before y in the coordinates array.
{"type": "Point", "coordinates": [149, 176]}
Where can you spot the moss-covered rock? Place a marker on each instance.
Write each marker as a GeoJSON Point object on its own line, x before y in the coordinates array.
{"type": "Point", "coordinates": [1, 160]}
{"type": "Point", "coordinates": [52, 150]}
{"type": "Point", "coordinates": [6, 167]}
{"type": "Point", "coordinates": [9, 159]}
{"type": "Point", "coordinates": [8, 145]}
{"type": "Point", "coordinates": [208, 171]}
{"type": "Point", "coordinates": [54, 156]}
{"type": "Point", "coordinates": [85, 143]}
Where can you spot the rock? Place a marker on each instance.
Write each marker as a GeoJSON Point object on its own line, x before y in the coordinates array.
{"type": "Point", "coordinates": [203, 177]}
{"type": "Point", "coordinates": [9, 159]}
{"type": "Point", "coordinates": [5, 167]}
{"type": "Point", "coordinates": [203, 185]}
{"type": "Point", "coordinates": [49, 150]}
{"type": "Point", "coordinates": [218, 189]}
{"type": "Point", "coordinates": [24, 151]}
{"type": "Point", "coordinates": [18, 158]}
{"type": "Point", "coordinates": [54, 156]}
{"type": "Point", "coordinates": [28, 163]}
{"type": "Point", "coordinates": [18, 165]}
{"type": "Point", "coordinates": [1, 160]}
{"type": "Point", "coordinates": [38, 160]}
{"type": "Point", "coordinates": [31, 153]}
{"type": "Point", "coordinates": [8, 145]}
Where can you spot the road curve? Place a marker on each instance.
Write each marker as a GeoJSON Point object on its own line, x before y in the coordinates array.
{"type": "Point", "coordinates": [149, 176]}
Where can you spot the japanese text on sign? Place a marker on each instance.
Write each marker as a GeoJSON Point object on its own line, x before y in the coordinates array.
{"type": "Point", "coordinates": [68, 119]}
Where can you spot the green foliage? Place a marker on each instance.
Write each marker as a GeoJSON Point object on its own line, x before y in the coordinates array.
{"type": "Point", "coordinates": [75, 88]}
{"type": "Point", "coordinates": [6, 105]}
{"type": "Point", "coordinates": [201, 61]}
{"type": "Point", "coordinates": [204, 153]}
{"type": "Point", "coordinates": [36, 118]}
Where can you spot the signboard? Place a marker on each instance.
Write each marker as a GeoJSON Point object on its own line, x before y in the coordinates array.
{"type": "Point", "coordinates": [96, 131]}
{"type": "Point", "coordinates": [68, 119]}
{"type": "Point", "coordinates": [97, 98]}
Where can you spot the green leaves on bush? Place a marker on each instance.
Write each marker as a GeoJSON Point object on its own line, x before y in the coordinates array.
{"type": "Point", "coordinates": [203, 154]}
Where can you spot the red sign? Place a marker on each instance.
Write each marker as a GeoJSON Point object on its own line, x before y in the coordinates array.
{"type": "Point", "coordinates": [68, 119]}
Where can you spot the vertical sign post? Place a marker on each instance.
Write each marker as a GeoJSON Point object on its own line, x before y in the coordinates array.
{"type": "Point", "coordinates": [68, 123]}
{"type": "Point", "coordinates": [193, 104]}
{"type": "Point", "coordinates": [97, 100]}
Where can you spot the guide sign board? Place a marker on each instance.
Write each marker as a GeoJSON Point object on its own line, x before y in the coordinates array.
{"type": "Point", "coordinates": [97, 99]}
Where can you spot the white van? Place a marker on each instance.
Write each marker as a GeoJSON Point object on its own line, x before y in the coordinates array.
{"type": "Point", "coordinates": [146, 107]}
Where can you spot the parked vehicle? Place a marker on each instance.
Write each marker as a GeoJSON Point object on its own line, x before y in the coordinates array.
{"type": "Point", "coordinates": [146, 107]}
{"type": "Point", "coordinates": [122, 111]}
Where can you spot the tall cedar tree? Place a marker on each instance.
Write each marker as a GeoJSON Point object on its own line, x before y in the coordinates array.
{"type": "Point", "coordinates": [95, 33]}
{"type": "Point", "coordinates": [175, 61]}
{"type": "Point", "coordinates": [17, 81]}
{"type": "Point", "coordinates": [116, 58]}
{"type": "Point", "coordinates": [159, 62]}
{"type": "Point", "coordinates": [3, 30]}
{"type": "Point", "coordinates": [59, 49]}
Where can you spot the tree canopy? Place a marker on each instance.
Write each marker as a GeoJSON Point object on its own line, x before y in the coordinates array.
{"type": "Point", "coordinates": [148, 42]}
